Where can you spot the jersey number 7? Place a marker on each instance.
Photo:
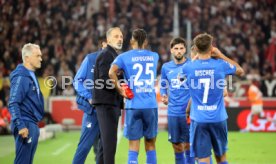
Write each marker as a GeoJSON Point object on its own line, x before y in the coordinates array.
{"type": "Point", "coordinates": [206, 83]}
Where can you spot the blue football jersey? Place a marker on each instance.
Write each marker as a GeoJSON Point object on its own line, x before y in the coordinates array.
{"type": "Point", "coordinates": [140, 67]}
{"type": "Point", "coordinates": [206, 80]}
{"type": "Point", "coordinates": [175, 88]}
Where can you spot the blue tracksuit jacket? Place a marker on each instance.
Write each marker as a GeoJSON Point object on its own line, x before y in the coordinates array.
{"type": "Point", "coordinates": [27, 108]}
{"type": "Point", "coordinates": [24, 103]}
{"type": "Point", "coordinates": [83, 84]}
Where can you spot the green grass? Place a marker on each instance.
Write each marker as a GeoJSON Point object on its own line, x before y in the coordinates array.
{"type": "Point", "coordinates": [244, 148]}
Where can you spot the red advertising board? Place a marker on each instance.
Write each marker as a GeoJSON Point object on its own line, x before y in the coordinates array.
{"type": "Point", "coordinates": [257, 124]}
{"type": "Point", "coordinates": [239, 115]}
{"type": "Point", "coordinates": [65, 108]}
{"type": "Point", "coordinates": [238, 112]}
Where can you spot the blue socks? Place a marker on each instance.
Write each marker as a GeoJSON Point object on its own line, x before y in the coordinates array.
{"type": "Point", "coordinates": [189, 160]}
{"type": "Point", "coordinates": [179, 158]}
{"type": "Point", "coordinates": [132, 157]}
{"type": "Point", "coordinates": [225, 162]}
{"type": "Point", "coordinates": [151, 157]}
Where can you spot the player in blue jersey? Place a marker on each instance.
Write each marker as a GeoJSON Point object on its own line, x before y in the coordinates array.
{"type": "Point", "coordinates": [176, 96]}
{"type": "Point", "coordinates": [205, 77]}
{"type": "Point", "coordinates": [83, 83]}
{"type": "Point", "coordinates": [140, 67]}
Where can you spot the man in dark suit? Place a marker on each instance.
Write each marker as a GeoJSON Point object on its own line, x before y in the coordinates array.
{"type": "Point", "coordinates": [106, 99]}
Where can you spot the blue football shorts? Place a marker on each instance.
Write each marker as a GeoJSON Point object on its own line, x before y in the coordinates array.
{"type": "Point", "coordinates": [205, 136]}
{"type": "Point", "coordinates": [178, 129]}
{"type": "Point", "coordinates": [141, 123]}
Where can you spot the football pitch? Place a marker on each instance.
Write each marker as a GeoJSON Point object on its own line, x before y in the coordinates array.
{"type": "Point", "coordinates": [244, 148]}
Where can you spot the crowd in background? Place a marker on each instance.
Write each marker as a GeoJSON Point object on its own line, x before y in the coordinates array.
{"type": "Point", "coordinates": [67, 30]}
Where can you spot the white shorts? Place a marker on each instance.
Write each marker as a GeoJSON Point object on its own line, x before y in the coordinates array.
{"type": "Point", "coordinates": [256, 109]}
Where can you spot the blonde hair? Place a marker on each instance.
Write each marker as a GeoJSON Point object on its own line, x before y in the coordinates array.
{"type": "Point", "coordinates": [27, 50]}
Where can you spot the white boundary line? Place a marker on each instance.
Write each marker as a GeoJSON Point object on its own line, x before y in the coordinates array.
{"type": "Point", "coordinates": [60, 150]}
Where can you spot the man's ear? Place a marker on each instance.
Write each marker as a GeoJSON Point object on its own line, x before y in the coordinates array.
{"type": "Point", "coordinates": [132, 42]}
{"type": "Point", "coordinates": [146, 43]}
{"type": "Point", "coordinates": [26, 58]}
{"type": "Point", "coordinates": [195, 48]}
{"type": "Point", "coordinates": [211, 48]}
{"type": "Point", "coordinates": [107, 40]}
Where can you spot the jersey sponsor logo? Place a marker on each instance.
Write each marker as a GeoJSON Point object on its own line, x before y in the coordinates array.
{"type": "Point", "coordinates": [92, 69]}
{"type": "Point", "coordinates": [231, 66]}
{"type": "Point", "coordinates": [170, 72]}
{"type": "Point", "coordinates": [176, 83]}
{"type": "Point", "coordinates": [179, 81]}
{"type": "Point", "coordinates": [89, 125]}
{"type": "Point", "coordinates": [182, 77]}
{"type": "Point", "coordinates": [29, 140]}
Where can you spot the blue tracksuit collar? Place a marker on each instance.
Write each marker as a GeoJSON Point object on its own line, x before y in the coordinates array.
{"type": "Point", "coordinates": [20, 70]}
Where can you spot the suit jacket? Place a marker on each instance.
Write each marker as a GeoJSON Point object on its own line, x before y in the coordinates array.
{"type": "Point", "coordinates": [103, 92]}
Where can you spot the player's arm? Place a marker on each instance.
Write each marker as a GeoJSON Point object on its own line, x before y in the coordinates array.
{"type": "Point", "coordinates": [217, 53]}
{"type": "Point", "coordinates": [225, 92]}
{"type": "Point", "coordinates": [81, 84]}
{"type": "Point", "coordinates": [19, 88]}
{"type": "Point", "coordinates": [188, 109]}
{"type": "Point", "coordinates": [83, 87]}
{"type": "Point", "coordinates": [114, 69]}
{"type": "Point", "coordinates": [164, 86]}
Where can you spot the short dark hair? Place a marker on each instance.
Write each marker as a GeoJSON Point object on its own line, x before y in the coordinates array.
{"type": "Point", "coordinates": [203, 42]}
{"type": "Point", "coordinates": [178, 40]}
{"type": "Point", "coordinates": [101, 39]}
{"type": "Point", "coordinates": [140, 36]}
